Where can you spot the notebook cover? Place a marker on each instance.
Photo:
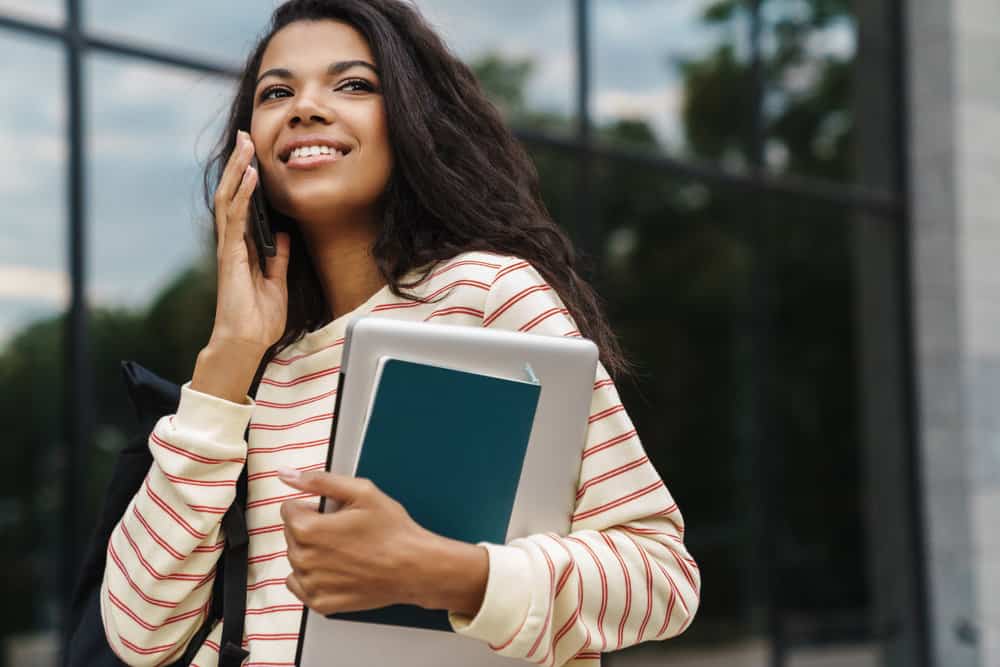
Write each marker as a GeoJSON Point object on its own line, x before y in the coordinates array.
{"type": "Point", "coordinates": [448, 445]}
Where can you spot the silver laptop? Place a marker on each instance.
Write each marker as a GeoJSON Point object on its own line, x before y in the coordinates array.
{"type": "Point", "coordinates": [564, 366]}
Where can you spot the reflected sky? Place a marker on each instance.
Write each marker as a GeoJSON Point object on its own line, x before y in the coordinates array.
{"type": "Point", "coordinates": [149, 127]}
{"type": "Point", "coordinates": [33, 279]}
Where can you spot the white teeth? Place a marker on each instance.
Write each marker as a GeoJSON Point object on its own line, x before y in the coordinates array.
{"type": "Point", "coordinates": [308, 151]}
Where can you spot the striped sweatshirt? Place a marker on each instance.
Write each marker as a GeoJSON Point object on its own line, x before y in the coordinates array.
{"type": "Point", "coordinates": [621, 576]}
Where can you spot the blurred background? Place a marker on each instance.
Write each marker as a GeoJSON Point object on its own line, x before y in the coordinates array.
{"type": "Point", "coordinates": [801, 190]}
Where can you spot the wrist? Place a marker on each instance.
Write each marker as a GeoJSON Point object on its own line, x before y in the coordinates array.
{"type": "Point", "coordinates": [453, 574]}
{"type": "Point", "coordinates": [226, 369]}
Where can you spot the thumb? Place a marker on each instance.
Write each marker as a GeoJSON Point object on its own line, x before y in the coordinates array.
{"type": "Point", "coordinates": [341, 488]}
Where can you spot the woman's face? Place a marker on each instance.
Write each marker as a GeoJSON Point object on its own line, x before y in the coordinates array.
{"type": "Point", "coordinates": [309, 92]}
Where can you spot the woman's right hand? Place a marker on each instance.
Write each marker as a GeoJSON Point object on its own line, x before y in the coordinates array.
{"type": "Point", "coordinates": [251, 308]}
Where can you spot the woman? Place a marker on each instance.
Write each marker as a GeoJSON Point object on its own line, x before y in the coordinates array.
{"type": "Point", "coordinates": [398, 192]}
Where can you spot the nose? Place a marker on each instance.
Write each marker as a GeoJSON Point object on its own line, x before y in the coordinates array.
{"type": "Point", "coordinates": [308, 109]}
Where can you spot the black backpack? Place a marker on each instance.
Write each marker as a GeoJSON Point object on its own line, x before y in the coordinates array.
{"type": "Point", "coordinates": [86, 644]}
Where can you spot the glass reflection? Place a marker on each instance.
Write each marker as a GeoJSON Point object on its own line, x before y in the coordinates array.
{"type": "Point", "coordinates": [150, 129]}
{"type": "Point", "coordinates": [49, 11]}
{"type": "Point", "coordinates": [524, 55]}
{"type": "Point", "coordinates": [669, 76]}
{"type": "Point", "coordinates": [34, 291]}
{"type": "Point", "coordinates": [218, 30]}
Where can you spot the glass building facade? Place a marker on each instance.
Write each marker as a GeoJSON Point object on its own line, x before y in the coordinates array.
{"type": "Point", "coordinates": [731, 170]}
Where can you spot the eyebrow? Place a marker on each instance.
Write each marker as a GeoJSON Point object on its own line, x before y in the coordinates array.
{"type": "Point", "coordinates": [331, 70]}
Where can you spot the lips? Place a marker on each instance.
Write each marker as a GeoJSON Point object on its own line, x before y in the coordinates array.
{"type": "Point", "coordinates": [313, 141]}
{"type": "Point", "coordinates": [311, 161]}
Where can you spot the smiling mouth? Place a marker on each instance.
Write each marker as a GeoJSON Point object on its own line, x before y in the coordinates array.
{"type": "Point", "coordinates": [312, 159]}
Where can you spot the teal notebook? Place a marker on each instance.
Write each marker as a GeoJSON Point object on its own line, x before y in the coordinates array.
{"type": "Point", "coordinates": [449, 446]}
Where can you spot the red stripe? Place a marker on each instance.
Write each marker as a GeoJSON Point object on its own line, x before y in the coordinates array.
{"type": "Point", "coordinates": [604, 589]}
{"type": "Point", "coordinates": [605, 413]}
{"type": "Point", "coordinates": [649, 587]}
{"type": "Point", "coordinates": [144, 651]}
{"type": "Point", "coordinates": [186, 454]}
{"type": "Point", "coordinates": [209, 509]}
{"type": "Point", "coordinates": [156, 537]}
{"type": "Point", "coordinates": [455, 265]}
{"type": "Point", "coordinates": [601, 446]}
{"type": "Point", "coordinates": [149, 626]}
{"type": "Point", "coordinates": [134, 586]}
{"type": "Point", "coordinates": [177, 479]}
{"type": "Point", "coordinates": [538, 319]}
{"type": "Point", "coordinates": [615, 472]}
{"type": "Point", "coordinates": [685, 571]}
{"type": "Point", "coordinates": [266, 557]}
{"type": "Point", "coordinates": [284, 427]}
{"type": "Point", "coordinates": [274, 473]}
{"type": "Point", "coordinates": [282, 448]}
{"type": "Point", "coordinates": [516, 266]}
{"type": "Point", "coordinates": [513, 300]}
{"type": "Point", "coordinates": [302, 378]}
{"type": "Point", "coordinates": [172, 513]}
{"type": "Point", "coordinates": [579, 592]}
{"type": "Point", "coordinates": [288, 636]}
{"type": "Point", "coordinates": [597, 385]}
{"type": "Point", "coordinates": [278, 499]}
{"type": "Point", "coordinates": [619, 502]}
{"type": "Point", "coordinates": [429, 297]}
{"type": "Point", "coordinates": [548, 612]}
{"type": "Point", "coordinates": [263, 583]}
{"type": "Point", "coordinates": [275, 608]}
{"type": "Point", "coordinates": [295, 404]}
{"type": "Point", "coordinates": [266, 529]}
{"type": "Point", "coordinates": [200, 578]}
{"type": "Point", "coordinates": [628, 588]}
{"type": "Point", "coordinates": [455, 310]}
{"type": "Point", "coordinates": [211, 548]}
{"type": "Point", "coordinates": [651, 531]}
{"type": "Point", "coordinates": [674, 596]}
{"type": "Point", "coordinates": [287, 360]}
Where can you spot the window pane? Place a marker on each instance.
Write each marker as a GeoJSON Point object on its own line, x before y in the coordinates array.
{"type": "Point", "coordinates": [672, 76]}
{"type": "Point", "coordinates": [752, 342]}
{"type": "Point", "coordinates": [50, 11]}
{"type": "Point", "coordinates": [830, 97]}
{"type": "Point", "coordinates": [34, 293]}
{"type": "Point", "coordinates": [523, 55]}
{"type": "Point", "coordinates": [149, 129]}
{"type": "Point", "coordinates": [223, 30]}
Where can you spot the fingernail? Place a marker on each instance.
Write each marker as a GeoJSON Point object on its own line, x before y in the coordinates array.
{"type": "Point", "coordinates": [290, 474]}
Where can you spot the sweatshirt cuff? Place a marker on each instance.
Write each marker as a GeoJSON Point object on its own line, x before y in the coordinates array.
{"type": "Point", "coordinates": [507, 599]}
{"type": "Point", "coordinates": [215, 419]}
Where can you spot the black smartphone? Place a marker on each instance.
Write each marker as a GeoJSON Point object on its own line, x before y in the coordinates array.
{"type": "Point", "coordinates": [260, 221]}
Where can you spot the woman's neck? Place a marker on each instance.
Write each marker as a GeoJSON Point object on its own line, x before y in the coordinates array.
{"type": "Point", "coordinates": [346, 268]}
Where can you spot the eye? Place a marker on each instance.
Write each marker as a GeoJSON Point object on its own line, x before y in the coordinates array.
{"type": "Point", "coordinates": [265, 95]}
{"type": "Point", "coordinates": [365, 85]}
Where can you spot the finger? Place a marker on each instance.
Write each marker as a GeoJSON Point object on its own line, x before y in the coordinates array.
{"type": "Point", "coordinates": [277, 266]}
{"type": "Point", "coordinates": [293, 584]}
{"type": "Point", "coordinates": [346, 490]}
{"type": "Point", "coordinates": [233, 172]}
{"type": "Point", "coordinates": [229, 181]}
{"type": "Point", "coordinates": [236, 216]}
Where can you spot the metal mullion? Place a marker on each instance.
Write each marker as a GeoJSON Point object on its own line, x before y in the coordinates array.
{"type": "Point", "coordinates": [908, 332]}
{"type": "Point", "coordinates": [77, 385]}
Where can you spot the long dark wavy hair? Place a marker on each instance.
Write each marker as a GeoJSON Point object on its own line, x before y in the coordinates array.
{"type": "Point", "coordinates": [460, 180]}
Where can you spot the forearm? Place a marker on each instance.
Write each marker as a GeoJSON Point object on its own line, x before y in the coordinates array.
{"type": "Point", "coordinates": [163, 552]}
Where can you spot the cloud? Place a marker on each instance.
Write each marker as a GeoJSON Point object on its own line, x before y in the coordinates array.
{"type": "Point", "coordinates": [659, 107]}
{"type": "Point", "coordinates": [29, 283]}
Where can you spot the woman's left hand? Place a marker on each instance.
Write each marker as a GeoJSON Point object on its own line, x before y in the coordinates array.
{"type": "Point", "coordinates": [370, 553]}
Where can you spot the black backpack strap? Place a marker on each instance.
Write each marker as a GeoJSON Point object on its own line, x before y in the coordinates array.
{"type": "Point", "coordinates": [234, 523]}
